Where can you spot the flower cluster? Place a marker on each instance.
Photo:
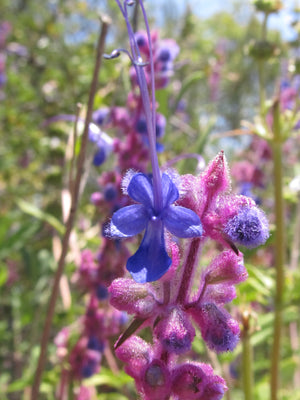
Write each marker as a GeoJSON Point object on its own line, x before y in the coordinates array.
{"type": "Point", "coordinates": [177, 215]}
{"type": "Point", "coordinates": [172, 310]}
{"type": "Point", "coordinates": [82, 350]}
{"type": "Point", "coordinates": [186, 381]}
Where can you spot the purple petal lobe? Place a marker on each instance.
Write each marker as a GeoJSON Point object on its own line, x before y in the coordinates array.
{"type": "Point", "coordinates": [151, 261]}
{"type": "Point", "coordinates": [182, 222]}
{"type": "Point", "coordinates": [129, 221]}
{"type": "Point", "coordinates": [140, 189]}
{"type": "Point", "coordinates": [170, 191]}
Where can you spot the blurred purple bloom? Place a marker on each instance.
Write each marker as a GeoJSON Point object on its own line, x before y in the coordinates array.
{"type": "Point", "coordinates": [151, 260]}
{"type": "Point", "coordinates": [141, 127]}
{"type": "Point", "coordinates": [103, 142]}
{"type": "Point", "coordinates": [101, 115]}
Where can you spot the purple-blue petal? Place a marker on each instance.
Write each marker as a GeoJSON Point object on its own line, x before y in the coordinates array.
{"type": "Point", "coordinates": [151, 261]}
{"type": "Point", "coordinates": [140, 189]}
{"type": "Point", "coordinates": [170, 191]}
{"type": "Point", "coordinates": [129, 221]}
{"type": "Point", "coordinates": [182, 222]}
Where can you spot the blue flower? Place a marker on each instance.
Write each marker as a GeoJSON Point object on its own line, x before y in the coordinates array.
{"type": "Point", "coordinates": [151, 260]}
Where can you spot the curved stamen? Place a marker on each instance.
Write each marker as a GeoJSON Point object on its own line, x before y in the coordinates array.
{"type": "Point", "coordinates": [149, 106]}
{"type": "Point", "coordinates": [155, 167]}
{"type": "Point", "coordinates": [116, 53]}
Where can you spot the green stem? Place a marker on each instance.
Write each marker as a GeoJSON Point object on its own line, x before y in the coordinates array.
{"type": "Point", "coordinates": [262, 92]}
{"type": "Point", "coordinates": [247, 363]}
{"type": "Point", "coordinates": [261, 70]}
{"type": "Point", "coordinates": [279, 251]}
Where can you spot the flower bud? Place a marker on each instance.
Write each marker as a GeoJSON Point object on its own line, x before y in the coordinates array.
{"type": "Point", "coordinates": [262, 49]}
{"type": "Point", "coordinates": [216, 176]}
{"type": "Point", "coordinates": [189, 381]}
{"type": "Point", "coordinates": [135, 298]}
{"type": "Point", "coordinates": [227, 267]}
{"type": "Point", "coordinates": [249, 227]}
{"type": "Point", "coordinates": [220, 293]}
{"type": "Point", "coordinates": [268, 6]}
{"type": "Point", "coordinates": [136, 354]}
{"type": "Point", "coordinates": [156, 381]}
{"type": "Point", "coordinates": [175, 332]}
{"type": "Point", "coordinates": [196, 381]}
{"type": "Point", "coordinates": [219, 330]}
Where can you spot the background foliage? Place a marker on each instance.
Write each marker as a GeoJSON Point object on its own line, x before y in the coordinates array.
{"type": "Point", "coordinates": [49, 61]}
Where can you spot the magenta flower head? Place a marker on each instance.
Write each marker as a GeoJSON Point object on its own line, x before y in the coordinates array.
{"type": "Point", "coordinates": [226, 267]}
{"type": "Point", "coordinates": [156, 381]}
{"type": "Point", "coordinates": [134, 298]}
{"type": "Point", "coordinates": [196, 381]}
{"type": "Point", "coordinates": [249, 227]}
{"type": "Point", "coordinates": [136, 354]}
{"type": "Point", "coordinates": [219, 330]}
{"type": "Point", "coordinates": [175, 332]}
{"type": "Point", "coordinates": [151, 260]}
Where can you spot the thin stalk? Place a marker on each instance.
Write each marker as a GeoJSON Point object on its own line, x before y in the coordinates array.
{"type": "Point", "coordinates": [70, 222]}
{"type": "Point", "coordinates": [157, 185]}
{"type": "Point", "coordinates": [148, 105]}
{"type": "Point", "coordinates": [188, 269]}
{"type": "Point", "coordinates": [294, 332]}
{"type": "Point", "coordinates": [261, 69]}
{"type": "Point", "coordinates": [262, 91]}
{"type": "Point", "coordinates": [280, 249]}
{"type": "Point", "coordinates": [247, 359]}
{"type": "Point", "coordinates": [135, 19]}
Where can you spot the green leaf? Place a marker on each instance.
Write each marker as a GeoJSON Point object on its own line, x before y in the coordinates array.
{"type": "Point", "coordinates": [18, 239]}
{"type": "Point", "coordinates": [108, 377]}
{"type": "Point", "coordinates": [112, 396]}
{"type": "Point", "coordinates": [41, 215]}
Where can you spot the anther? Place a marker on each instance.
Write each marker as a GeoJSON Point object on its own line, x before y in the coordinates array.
{"type": "Point", "coordinates": [112, 55]}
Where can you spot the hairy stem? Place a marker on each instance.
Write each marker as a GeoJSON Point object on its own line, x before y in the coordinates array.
{"type": "Point", "coordinates": [188, 269]}
{"type": "Point", "coordinates": [279, 251]}
{"type": "Point", "coordinates": [70, 222]}
{"type": "Point", "coordinates": [167, 292]}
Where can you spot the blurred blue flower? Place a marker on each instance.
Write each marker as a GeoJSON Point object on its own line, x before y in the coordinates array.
{"type": "Point", "coordinates": [151, 260]}
{"type": "Point", "coordinates": [103, 142]}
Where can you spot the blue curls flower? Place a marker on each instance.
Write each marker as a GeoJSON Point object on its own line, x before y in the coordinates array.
{"type": "Point", "coordinates": [151, 260]}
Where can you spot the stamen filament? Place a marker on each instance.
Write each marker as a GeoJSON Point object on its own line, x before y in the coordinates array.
{"type": "Point", "coordinates": [149, 106]}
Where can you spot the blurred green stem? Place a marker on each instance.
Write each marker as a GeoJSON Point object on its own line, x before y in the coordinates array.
{"type": "Point", "coordinates": [279, 250]}
{"type": "Point", "coordinates": [261, 69]}
{"type": "Point", "coordinates": [247, 359]}
{"type": "Point", "coordinates": [262, 92]}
